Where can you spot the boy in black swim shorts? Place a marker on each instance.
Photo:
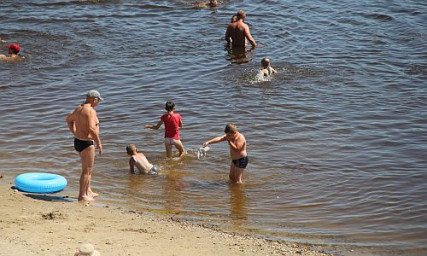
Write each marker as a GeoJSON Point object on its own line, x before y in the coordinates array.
{"type": "Point", "coordinates": [239, 156]}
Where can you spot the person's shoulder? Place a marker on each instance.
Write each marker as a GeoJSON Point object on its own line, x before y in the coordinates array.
{"type": "Point", "coordinates": [264, 72]}
{"type": "Point", "coordinates": [78, 108]}
{"type": "Point", "coordinates": [86, 108]}
{"type": "Point", "coordinates": [232, 25]}
{"type": "Point", "coordinates": [242, 136]}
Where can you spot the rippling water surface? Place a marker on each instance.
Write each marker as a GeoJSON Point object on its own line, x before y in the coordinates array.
{"type": "Point", "coordinates": [337, 139]}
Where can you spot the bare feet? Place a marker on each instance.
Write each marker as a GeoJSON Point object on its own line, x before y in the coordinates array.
{"type": "Point", "coordinates": [93, 194]}
{"type": "Point", "coordinates": [86, 199]}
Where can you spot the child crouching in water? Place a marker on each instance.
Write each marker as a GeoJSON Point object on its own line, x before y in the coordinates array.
{"type": "Point", "coordinates": [173, 122]}
{"type": "Point", "coordinates": [140, 161]}
{"type": "Point", "coordinates": [239, 156]}
{"type": "Point", "coordinates": [267, 69]}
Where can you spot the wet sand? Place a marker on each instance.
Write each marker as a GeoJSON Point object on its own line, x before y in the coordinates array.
{"type": "Point", "coordinates": [56, 225]}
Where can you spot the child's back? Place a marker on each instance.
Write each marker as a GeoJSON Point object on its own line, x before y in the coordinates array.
{"type": "Point", "coordinates": [173, 122]}
{"type": "Point", "coordinates": [140, 161]}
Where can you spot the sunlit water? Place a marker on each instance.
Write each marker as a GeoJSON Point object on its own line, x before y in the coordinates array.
{"type": "Point", "coordinates": [336, 140]}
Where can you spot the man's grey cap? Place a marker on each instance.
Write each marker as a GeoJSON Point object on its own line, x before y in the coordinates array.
{"type": "Point", "coordinates": [94, 94]}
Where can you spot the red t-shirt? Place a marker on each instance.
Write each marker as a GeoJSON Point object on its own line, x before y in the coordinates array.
{"type": "Point", "coordinates": [171, 125]}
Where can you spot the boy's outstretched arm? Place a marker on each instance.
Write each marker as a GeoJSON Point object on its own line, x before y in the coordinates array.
{"type": "Point", "coordinates": [154, 127]}
{"type": "Point", "coordinates": [215, 140]}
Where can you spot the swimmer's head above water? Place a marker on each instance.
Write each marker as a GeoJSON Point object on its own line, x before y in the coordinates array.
{"type": "Point", "coordinates": [131, 149]}
{"type": "Point", "coordinates": [13, 49]}
{"type": "Point", "coordinates": [213, 3]}
{"type": "Point", "coordinates": [265, 62]}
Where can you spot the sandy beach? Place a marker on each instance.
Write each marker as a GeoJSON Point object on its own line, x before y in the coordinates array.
{"type": "Point", "coordinates": [53, 225]}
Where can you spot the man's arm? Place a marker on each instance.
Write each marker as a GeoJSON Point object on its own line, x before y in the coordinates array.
{"type": "Point", "coordinates": [132, 165]}
{"type": "Point", "coordinates": [249, 36]}
{"type": "Point", "coordinates": [94, 129]}
{"type": "Point", "coordinates": [71, 118]}
{"type": "Point", "coordinates": [228, 35]}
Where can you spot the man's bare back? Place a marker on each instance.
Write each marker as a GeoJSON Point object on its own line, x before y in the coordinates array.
{"type": "Point", "coordinates": [237, 32]}
{"type": "Point", "coordinates": [85, 119]}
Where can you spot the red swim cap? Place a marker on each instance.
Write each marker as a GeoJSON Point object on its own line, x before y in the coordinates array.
{"type": "Point", "coordinates": [14, 47]}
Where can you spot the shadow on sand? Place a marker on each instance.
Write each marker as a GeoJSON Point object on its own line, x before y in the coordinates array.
{"type": "Point", "coordinates": [48, 197]}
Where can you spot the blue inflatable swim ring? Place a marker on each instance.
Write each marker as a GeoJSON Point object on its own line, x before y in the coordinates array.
{"type": "Point", "coordinates": [40, 182]}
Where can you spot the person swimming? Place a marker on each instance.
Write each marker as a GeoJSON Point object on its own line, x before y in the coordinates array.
{"type": "Point", "coordinates": [14, 49]}
{"type": "Point", "coordinates": [211, 3]}
{"type": "Point", "coordinates": [267, 69]}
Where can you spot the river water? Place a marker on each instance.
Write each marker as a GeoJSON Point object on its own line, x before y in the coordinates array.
{"type": "Point", "coordinates": [337, 139]}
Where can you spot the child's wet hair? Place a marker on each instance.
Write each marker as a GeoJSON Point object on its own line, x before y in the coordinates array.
{"type": "Point", "coordinates": [169, 106]}
{"type": "Point", "coordinates": [265, 62]}
{"type": "Point", "coordinates": [130, 149]}
{"type": "Point", "coordinates": [230, 128]}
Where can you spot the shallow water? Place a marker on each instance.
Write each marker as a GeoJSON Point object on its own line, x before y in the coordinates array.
{"type": "Point", "coordinates": [336, 140]}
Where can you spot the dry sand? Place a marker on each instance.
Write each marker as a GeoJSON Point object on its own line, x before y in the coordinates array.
{"type": "Point", "coordinates": [36, 225]}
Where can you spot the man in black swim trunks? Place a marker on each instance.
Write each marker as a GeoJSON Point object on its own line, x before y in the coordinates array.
{"type": "Point", "coordinates": [239, 156]}
{"type": "Point", "coordinates": [84, 124]}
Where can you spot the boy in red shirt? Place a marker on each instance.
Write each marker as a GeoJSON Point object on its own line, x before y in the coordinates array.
{"type": "Point", "coordinates": [173, 122]}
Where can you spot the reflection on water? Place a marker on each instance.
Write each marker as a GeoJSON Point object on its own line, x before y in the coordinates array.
{"type": "Point", "coordinates": [239, 55]}
{"type": "Point", "coordinates": [173, 189]}
{"type": "Point", "coordinates": [238, 205]}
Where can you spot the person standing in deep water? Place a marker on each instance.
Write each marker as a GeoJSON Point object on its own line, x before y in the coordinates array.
{"type": "Point", "coordinates": [238, 31]}
{"type": "Point", "coordinates": [84, 125]}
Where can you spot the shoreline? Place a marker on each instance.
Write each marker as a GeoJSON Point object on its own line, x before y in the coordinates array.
{"type": "Point", "coordinates": [50, 224]}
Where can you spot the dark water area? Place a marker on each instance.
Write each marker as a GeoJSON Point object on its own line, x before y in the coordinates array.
{"type": "Point", "coordinates": [337, 139]}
